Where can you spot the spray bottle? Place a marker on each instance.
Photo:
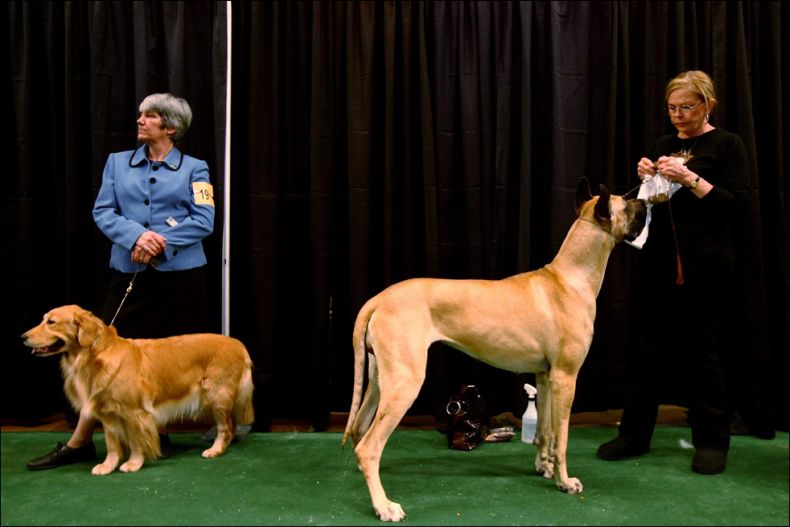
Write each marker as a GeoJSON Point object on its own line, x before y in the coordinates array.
{"type": "Point", "coordinates": [529, 421]}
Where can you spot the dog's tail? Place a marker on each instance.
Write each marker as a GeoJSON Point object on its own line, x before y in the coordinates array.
{"type": "Point", "coordinates": [243, 412]}
{"type": "Point", "coordinates": [359, 344]}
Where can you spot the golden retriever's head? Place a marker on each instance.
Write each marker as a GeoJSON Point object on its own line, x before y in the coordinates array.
{"type": "Point", "coordinates": [62, 329]}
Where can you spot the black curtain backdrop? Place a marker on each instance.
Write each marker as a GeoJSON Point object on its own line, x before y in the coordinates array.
{"type": "Point", "coordinates": [378, 141]}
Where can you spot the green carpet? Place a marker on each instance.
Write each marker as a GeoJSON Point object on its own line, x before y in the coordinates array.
{"type": "Point", "coordinates": [306, 478]}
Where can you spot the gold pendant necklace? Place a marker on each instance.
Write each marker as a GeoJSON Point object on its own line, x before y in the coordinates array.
{"type": "Point", "coordinates": [684, 154]}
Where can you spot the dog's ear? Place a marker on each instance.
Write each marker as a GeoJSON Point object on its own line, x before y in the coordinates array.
{"type": "Point", "coordinates": [583, 193]}
{"type": "Point", "coordinates": [602, 206]}
{"type": "Point", "coordinates": [89, 328]}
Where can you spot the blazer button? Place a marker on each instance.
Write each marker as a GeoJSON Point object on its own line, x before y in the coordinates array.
{"type": "Point", "coordinates": [152, 180]}
{"type": "Point", "coordinates": [147, 202]}
{"type": "Point", "coordinates": [175, 252]}
{"type": "Point", "coordinates": [155, 168]}
{"type": "Point", "coordinates": [146, 225]}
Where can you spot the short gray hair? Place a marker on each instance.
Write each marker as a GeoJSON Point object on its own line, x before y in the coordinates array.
{"type": "Point", "coordinates": [175, 112]}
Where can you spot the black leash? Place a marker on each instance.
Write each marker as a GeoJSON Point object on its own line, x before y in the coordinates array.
{"type": "Point", "coordinates": [679, 280]}
{"type": "Point", "coordinates": [632, 190]}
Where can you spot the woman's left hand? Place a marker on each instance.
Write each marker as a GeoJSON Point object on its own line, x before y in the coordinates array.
{"type": "Point", "coordinates": [140, 255]}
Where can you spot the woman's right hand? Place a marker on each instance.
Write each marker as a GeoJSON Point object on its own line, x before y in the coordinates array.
{"type": "Point", "coordinates": [645, 168]}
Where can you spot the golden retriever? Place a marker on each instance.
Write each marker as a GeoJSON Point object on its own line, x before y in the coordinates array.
{"type": "Point", "coordinates": [134, 385]}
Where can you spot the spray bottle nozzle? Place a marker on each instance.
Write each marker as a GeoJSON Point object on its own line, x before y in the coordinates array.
{"type": "Point", "coordinates": [531, 391]}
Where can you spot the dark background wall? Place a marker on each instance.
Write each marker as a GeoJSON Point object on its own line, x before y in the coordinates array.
{"type": "Point", "coordinates": [374, 142]}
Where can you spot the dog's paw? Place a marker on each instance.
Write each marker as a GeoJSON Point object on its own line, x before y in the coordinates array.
{"type": "Point", "coordinates": [212, 452]}
{"type": "Point", "coordinates": [131, 466]}
{"type": "Point", "coordinates": [392, 512]}
{"type": "Point", "coordinates": [570, 486]}
{"type": "Point", "coordinates": [545, 468]}
{"type": "Point", "coordinates": [103, 469]}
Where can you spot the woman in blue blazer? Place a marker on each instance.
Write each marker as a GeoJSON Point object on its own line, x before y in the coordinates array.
{"type": "Point", "coordinates": [155, 205]}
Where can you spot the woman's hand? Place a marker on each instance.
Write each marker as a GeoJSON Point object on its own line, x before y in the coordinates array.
{"type": "Point", "coordinates": [140, 255]}
{"type": "Point", "coordinates": [148, 245]}
{"type": "Point", "coordinates": [645, 168]}
{"type": "Point", "coordinates": [673, 169]}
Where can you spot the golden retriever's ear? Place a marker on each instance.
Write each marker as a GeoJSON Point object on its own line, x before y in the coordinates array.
{"type": "Point", "coordinates": [89, 328]}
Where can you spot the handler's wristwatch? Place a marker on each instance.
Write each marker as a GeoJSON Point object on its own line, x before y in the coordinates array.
{"type": "Point", "coordinates": [694, 183]}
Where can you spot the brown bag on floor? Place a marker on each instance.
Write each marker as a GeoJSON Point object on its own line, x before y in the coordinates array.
{"type": "Point", "coordinates": [464, 420]}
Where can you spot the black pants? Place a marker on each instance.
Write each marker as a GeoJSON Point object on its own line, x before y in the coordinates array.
{"type": "Point", "coordinates": [160, 304]}
{"type": "Point", "coordinates": [675, 355]}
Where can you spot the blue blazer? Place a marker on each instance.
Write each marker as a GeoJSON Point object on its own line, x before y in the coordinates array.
{"type": "Point", "coordinates": [173, 197]}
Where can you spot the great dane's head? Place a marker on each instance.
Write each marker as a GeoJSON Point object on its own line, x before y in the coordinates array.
{"type": "Point", "coordinates": [623, 218]}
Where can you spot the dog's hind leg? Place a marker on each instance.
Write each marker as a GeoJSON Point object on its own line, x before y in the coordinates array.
{"type": "Point", "coordinates": [221, 403]}
{"type": "Point", "coordinates": [369, 403]}
{"type": "Point", "coordinates": [397, 393]}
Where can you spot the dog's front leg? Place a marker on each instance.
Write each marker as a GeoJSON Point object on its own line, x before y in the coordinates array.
{"type": "Point", "coordinates": [114, 453]}
{"type": "Point", "coordinates": [563, 388]}
{"type": "Point", "coordinates": [134, 463]}
{"type": "Point", "coordinates": [543, 437]}
{"type": "Point", "coordinates": [136, 458]}
{"type": "Point", "coordinates": [143, 439]}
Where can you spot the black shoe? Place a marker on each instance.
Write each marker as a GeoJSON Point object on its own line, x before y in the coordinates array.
{"type": "Point", "coordinates": [242, 431]}
{"type": "Point", "coordinates": [210, 435]}
{"type": "Point", "coordinates": [165, 446]}
{"type": "Point", "coordinates": [709, 461]}
{"type": "Point", "coordinates": [63, 455]}
{"type": "Point", "coordinates": [620, 448]}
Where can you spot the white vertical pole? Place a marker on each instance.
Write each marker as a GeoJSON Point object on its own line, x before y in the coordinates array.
{"type": "Point", "coordinates": [226, 186]}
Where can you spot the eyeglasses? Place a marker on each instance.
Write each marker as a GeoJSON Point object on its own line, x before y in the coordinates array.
{"type": "Point", "coordinates": [683, 108]}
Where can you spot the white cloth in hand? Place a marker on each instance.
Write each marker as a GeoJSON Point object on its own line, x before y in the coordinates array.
{"type": "Point", "coordinates": [654, 189]}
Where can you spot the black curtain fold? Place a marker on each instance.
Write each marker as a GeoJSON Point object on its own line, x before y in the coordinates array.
{"type": "Point", "coordinates": [377, 141]}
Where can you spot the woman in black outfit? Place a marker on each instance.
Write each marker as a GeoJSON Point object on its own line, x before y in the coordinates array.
{"type": "Point", "coordinates": [684, 274]}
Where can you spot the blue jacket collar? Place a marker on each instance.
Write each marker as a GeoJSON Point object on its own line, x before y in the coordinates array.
{"type": "Point", "coordinates": [172, 161]}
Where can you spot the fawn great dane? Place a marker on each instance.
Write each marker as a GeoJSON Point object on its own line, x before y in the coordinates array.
{"type": "Point", "coordinates": [539, 321]}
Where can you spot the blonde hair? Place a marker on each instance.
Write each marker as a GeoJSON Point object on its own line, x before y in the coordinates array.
{"type": "Point", "coordinates": [696, 81]}
{"type": "Point", "coordinates": [175, 112]}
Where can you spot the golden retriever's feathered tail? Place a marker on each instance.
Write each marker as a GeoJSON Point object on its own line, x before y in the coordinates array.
{"type": "Point", "coordinates": [243, 412]}
{"type": "Point", "coordinates": [359, 344]}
